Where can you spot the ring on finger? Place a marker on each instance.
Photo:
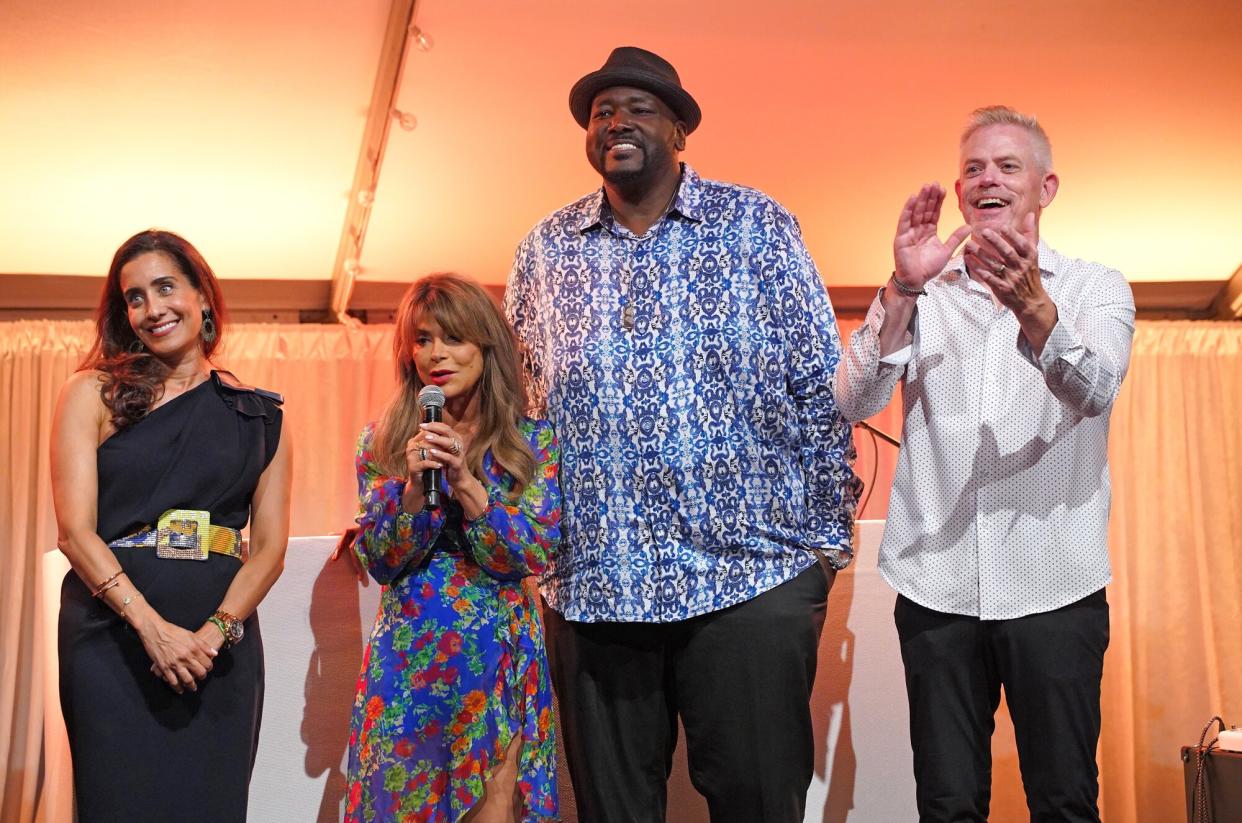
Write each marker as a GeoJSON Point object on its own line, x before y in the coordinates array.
{"type": "Point", "coordinates": [422, 454]}
{"type": "Point", "coordinates": [455, 446]}
{"type": "Point", "coordinates": [998, 268]}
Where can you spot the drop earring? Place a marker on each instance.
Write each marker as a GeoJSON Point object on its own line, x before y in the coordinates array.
{"type": "Point", "coordinates": [208, 330]}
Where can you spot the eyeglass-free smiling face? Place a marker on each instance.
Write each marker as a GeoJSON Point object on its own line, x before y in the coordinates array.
{"type": "Point", "coordinates": [632, 136]}
{"type": "Point", "coordinates": [164, 309]}
{"type": "Point", "coordinates": [1002, 179]}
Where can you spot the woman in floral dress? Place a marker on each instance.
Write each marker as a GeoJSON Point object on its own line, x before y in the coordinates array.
{"type": "Point", "coordinates": [453, 713]}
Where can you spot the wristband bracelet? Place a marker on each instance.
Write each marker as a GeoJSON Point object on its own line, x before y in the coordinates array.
{"type": "Point", "coordinates": [219, 624]}
{"type": "Point", "coordinates": [902, 288]}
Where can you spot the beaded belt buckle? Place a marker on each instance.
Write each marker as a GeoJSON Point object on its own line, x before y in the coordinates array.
{"type": "Point", "coordinates": [182, 534]}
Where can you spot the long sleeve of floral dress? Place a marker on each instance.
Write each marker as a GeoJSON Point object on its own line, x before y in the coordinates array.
{"type": "Point", "coordinates": [456, 667]}
{"type": "Point", "coordinates": [510, 540]}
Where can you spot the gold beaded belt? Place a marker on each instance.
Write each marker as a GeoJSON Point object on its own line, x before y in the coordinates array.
{"type": "Point", "coordinates": [186, 534]}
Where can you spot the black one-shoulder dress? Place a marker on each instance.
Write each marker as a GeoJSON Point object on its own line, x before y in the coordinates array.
{"type": "Point", "coordinates": [142, 752]}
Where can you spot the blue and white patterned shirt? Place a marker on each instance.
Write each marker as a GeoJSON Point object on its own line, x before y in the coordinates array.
{"type": "Point", "coordinates": [688, 373]}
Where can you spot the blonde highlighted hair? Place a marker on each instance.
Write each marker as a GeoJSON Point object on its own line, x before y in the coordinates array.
{"type": "Point", "coordinates": [464, 310]}
{"type": "Point", "coordinates": [1005, 116]}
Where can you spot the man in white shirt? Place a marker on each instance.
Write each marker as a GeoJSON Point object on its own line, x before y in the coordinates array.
{"type": "Point", "coordinates": [1010, 357]}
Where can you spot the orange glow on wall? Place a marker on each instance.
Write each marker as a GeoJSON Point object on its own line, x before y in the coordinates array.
{"type": "Point", "coordinates": [239, 123]}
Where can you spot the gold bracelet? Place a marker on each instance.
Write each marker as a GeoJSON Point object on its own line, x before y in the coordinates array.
{"type": "Point", "coordinates": [229, 625]}
{"type": "Point", "coordinates": [111, 584]}
{"type": "Point", "coordinates": [129, 598]}
{"type": "Point", "coordinates": [103, 587]}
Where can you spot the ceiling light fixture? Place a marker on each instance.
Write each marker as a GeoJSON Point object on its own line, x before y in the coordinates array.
{"type": "Point", "coordinates": [422, 40]}
{"type": "Point", "coordinates": [405, 119]}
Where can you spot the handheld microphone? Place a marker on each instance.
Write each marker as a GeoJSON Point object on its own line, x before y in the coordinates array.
{"type": "Point", "coordinates": [431, 401]}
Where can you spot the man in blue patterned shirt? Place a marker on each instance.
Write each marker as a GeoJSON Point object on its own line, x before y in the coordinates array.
{"type": "Point", "coordinates": [680, 340]}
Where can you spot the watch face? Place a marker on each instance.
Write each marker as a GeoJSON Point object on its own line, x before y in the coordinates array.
{"type": "Point", "coordinates": [232, 628]}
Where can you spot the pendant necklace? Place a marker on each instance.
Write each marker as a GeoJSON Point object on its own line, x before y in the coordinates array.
{"type": "Point", "coordinates": [628, 313]}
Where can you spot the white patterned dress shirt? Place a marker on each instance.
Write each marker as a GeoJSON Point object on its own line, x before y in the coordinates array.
{"type": "Point", "coordinates": [999, 505]}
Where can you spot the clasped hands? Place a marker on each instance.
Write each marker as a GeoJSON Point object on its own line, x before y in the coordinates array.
{"type": "Point", "coordinates": [180, 657]}
{"type": "Point", "coordinates": [439, 446]}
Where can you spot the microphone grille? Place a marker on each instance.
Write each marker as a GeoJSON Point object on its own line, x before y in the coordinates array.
{"type": "Point", "coordinates": [430, 396]}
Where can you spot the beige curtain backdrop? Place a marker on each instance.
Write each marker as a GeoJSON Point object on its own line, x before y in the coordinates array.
{"type": "Point", "coordinates": [1176, 539]}
{"type": "Point", "coordinates": [334, 380]}
{"type": "Point", "coordinates": [1177, 520]}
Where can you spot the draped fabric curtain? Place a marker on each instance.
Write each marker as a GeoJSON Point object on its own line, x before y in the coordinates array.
{"type": "Point", "coordinates": [334, 379]}
{"type": "Point", "coordinates": [1176, 540]}
{"type": "Point", "coordinates": [1176, 526]}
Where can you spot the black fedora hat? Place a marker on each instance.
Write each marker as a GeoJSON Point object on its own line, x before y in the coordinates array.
{"type": "Point", "coordinates": [641, 69]}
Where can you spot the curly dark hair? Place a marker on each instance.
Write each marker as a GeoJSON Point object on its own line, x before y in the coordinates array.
{"type": "Point", "coordinates": [134, 380]}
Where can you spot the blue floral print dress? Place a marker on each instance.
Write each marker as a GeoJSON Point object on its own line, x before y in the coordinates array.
{"type": "Point", "coordinates": [456, 666]}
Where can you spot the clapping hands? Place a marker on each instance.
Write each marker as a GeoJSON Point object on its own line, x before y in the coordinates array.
{"type": "Point", "coordinates": [918, 253]}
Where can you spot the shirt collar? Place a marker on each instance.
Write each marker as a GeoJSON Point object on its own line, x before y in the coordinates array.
{"type": "Point", "coordinates": [686, 203]}
{"type": "Point", "coordinates": [1049, 263]}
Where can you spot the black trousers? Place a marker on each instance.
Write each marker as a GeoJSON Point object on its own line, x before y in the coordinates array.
{"type": "Point", "coordinates": [740, 679]}
{"type": "Point", "coordinates": [1050, 665]}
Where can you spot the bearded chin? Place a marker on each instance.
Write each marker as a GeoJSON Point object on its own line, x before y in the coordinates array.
{"type": "Point", "coordinates": [626, 178]}
{"type": "Point", "coordinates": [631, 184]}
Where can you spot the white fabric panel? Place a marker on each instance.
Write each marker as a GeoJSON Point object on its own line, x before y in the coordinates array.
{"type": "Point", "coordinates": [317, 618]}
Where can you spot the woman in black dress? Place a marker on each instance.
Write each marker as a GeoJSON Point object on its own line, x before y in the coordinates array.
{"type": "Point", "coordinates": [158, 461]}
